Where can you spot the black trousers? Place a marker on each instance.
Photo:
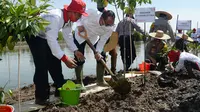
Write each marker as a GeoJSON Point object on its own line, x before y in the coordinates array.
{"type": "Point", "coordinates": [81, 48]}
{"type": "Point", "coordinates": [189, 65]}
{"type": "Point", "coordinates": [44, 62]}
{"type": "Point", "coordinates": [127, 48]}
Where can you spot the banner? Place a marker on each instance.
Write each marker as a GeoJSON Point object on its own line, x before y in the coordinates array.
{"type": "Point", "coordinates": [145, 14]}
{"type": "Point", "coordinates": [184, 24]}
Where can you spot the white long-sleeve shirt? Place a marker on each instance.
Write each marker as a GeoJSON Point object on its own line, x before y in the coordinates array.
{"type": "Point", "coordinates": [186, 56]}
{"type": "Point", "coordinates": [95, 32]}
{"type": "Point", "coordinates": [55, 17]}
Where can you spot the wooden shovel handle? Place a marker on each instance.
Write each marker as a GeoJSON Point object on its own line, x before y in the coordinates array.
{"type": "Point", "coordinates": [101, 60]}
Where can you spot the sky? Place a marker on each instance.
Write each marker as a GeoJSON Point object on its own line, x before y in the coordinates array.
{"type": "Point", "coordinates": [186, 10]}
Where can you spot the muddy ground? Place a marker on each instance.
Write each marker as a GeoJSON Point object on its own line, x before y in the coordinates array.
{"type": "Point", "coordinates": [181, 93]}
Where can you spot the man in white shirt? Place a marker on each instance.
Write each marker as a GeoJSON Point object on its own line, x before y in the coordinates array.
{"type": "Point", "coordinates": [99, 29]}
{"type": "Point", "coordinates": [184, 59]}
{"type": "Point", "coordinates": [194, 35]}
{"type": "Point", "coordinates": [46, 51]}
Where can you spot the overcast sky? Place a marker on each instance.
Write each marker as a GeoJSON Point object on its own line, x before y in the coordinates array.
{"type": "Point", "coordinates": [187, 10]}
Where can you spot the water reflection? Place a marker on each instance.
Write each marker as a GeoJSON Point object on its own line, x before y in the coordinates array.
{"type": "Point", "coordinates": [9, 65]}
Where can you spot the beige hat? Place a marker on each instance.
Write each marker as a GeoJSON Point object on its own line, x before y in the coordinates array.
{"type": "Point", "coordinates": [169, 16]}
{"type": "Point", "coordinates": [186, 37]}
{"type": "Point", "coordinates": [112, 43]}
{"type": "Point", "coordinates": [159, 34]}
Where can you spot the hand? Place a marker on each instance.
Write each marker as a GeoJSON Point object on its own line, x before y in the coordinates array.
{"type": "Point", "coordinates": [98, 56]}
{"type": "Point", "coordinates": [79, 55]}
{"type": "Point", "coordinates": [70, 63]}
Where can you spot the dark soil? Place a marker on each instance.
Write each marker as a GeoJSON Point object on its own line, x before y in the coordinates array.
{"type": "Point", "coordinates": [181, 93]}
{"type": "Point", "coordinates": [177, 93]}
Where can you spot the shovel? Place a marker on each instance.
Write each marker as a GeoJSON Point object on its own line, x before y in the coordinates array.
{"type": "Point", "coordinates": [118, 82]}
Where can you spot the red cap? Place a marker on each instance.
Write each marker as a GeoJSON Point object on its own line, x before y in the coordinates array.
{"type": "Point", "coordinates": [77, 6]}
{"type": "Point", "coordinates": [173, 55]}
{"type": "Point", "coordinates": [194, 29]}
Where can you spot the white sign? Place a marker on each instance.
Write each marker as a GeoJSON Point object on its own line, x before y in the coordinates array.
{"type": "Point", "coordinates": [145, 14]}
{"type": "Point", "coordinates": [184, 24]}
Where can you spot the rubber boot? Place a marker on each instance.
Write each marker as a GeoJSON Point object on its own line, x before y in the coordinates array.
{"type": "Point", "coordinates": [100, 73]}
{"type": "Point", "coordinates": [79, 77]}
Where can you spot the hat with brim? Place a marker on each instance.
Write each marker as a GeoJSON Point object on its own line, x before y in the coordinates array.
{"type": "Point", "coordinates": [169, 16]}
{"type": "Point", "coordinates": [186, 37]}
{"type": "Point", "coordinates": [159, 34]}
{"type": "Point", "coordinates": [112, 43]}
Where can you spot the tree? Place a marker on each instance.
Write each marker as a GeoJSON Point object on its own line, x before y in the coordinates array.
{"type": "Point", "coordinates": [20, 18]}
{"type": "Point", "coordinates": [125, 5]}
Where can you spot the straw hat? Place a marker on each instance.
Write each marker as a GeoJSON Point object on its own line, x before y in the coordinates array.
{"type": "Point", "coordinates": [169, 16]}
{"type": "Point", "coordinates": [159, 34]}
{"type": "Point", "coordinates": [186, 37]}
{"type": "Point", "coordinates": [112, 43]}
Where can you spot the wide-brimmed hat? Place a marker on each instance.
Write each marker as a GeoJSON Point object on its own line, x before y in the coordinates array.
{"type": "Point", "coordinates": [76, 6]}
{"type": "Point", "coordinates": [112, 43]}
{"type": "Point", "coordinates": [159, 34]}
{"type": "Point", "coordinates": [169, 16]}
{"type": "Point", "coordinates": [186, 37]}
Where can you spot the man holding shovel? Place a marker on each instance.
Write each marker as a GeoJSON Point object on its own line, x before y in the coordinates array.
{"type": "Point", "coordinates": [97, 28]}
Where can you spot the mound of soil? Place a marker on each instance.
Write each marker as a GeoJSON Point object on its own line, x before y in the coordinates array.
{"type": "Point", "coordinates": [181, 95]}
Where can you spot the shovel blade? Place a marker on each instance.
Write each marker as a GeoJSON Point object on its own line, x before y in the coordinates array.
{"type": "Point", "coordinates": [120, 85]}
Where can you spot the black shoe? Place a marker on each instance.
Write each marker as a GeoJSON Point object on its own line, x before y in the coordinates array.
{"type": "Point", "coordinates": [42, 101]}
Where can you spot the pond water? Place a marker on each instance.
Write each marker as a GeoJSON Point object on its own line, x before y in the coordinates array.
{"type": "Point", "coordinates": [12, 63]}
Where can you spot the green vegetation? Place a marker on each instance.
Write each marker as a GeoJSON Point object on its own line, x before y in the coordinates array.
{"type": "Point", "coordinates": [20, 18]}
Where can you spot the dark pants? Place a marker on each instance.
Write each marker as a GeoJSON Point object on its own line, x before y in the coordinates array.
{"type": "Point", "coordinates": [81, 48]}
{"type": "Point", "coordinates": [127, 51]}
{"type": "Point", "coordinates": [190, 65]}
{"type": "Point", "coordinates": [44, 62]}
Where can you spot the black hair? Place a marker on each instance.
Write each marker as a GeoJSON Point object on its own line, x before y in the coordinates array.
{"type": "Point", "coordinates": [108, 13]}
{"type": "Point", "coordinates": [131, 16]}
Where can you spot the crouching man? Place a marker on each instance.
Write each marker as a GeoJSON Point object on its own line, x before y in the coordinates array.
{"type": "Point", "coordinates": [184, 59]}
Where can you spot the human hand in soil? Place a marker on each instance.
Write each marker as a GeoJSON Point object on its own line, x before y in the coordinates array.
{"type": "Point", "coordinates": [79, 55]}
{"type": "Point", "coordinates": [98, 56]}
{"type": "Point", "coordinates": [70, 63]}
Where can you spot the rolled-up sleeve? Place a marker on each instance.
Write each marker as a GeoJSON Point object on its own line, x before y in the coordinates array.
{"type": "Point", "coordinates": [52, 35]}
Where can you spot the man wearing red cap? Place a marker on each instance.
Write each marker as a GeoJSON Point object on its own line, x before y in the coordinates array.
{"type": "Point", "coordinates": [47, 54]}
{"type": "Point", "coordinates": [184, 59]}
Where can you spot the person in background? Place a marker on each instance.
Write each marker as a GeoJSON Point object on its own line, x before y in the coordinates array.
{"type": "Point", "coordinates": [162, 23]}
{"type": "Point", "coordinates": [155, 50]}
{"type": "Point", "coordinates": [99, 27]}
{"type": "Point", "coordinates": [194, 35]}
{"type": "Point", "coordinates": [124, 31]}
{"type": "Point", "coordinates": [47, 54]}
{"type": "Point", "coordinates": [101, 4]}
{"type": "Point", "coordinates": [184, 59]}
{"type": "Point", "coordinates": [181, 43]}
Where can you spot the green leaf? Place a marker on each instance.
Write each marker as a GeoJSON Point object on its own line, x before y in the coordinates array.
{"type": "Point", "coordinates": [20, 9]}
{"type": "Point", "coordinates": [12, 10]}
{"type": "Point", "coordinates": [24, 24]}
{"type": "Point", "coordinates": [35, 11]}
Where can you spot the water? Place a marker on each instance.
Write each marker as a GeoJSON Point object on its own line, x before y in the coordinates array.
{"type": "Point", "coordinates": [12, 63]}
